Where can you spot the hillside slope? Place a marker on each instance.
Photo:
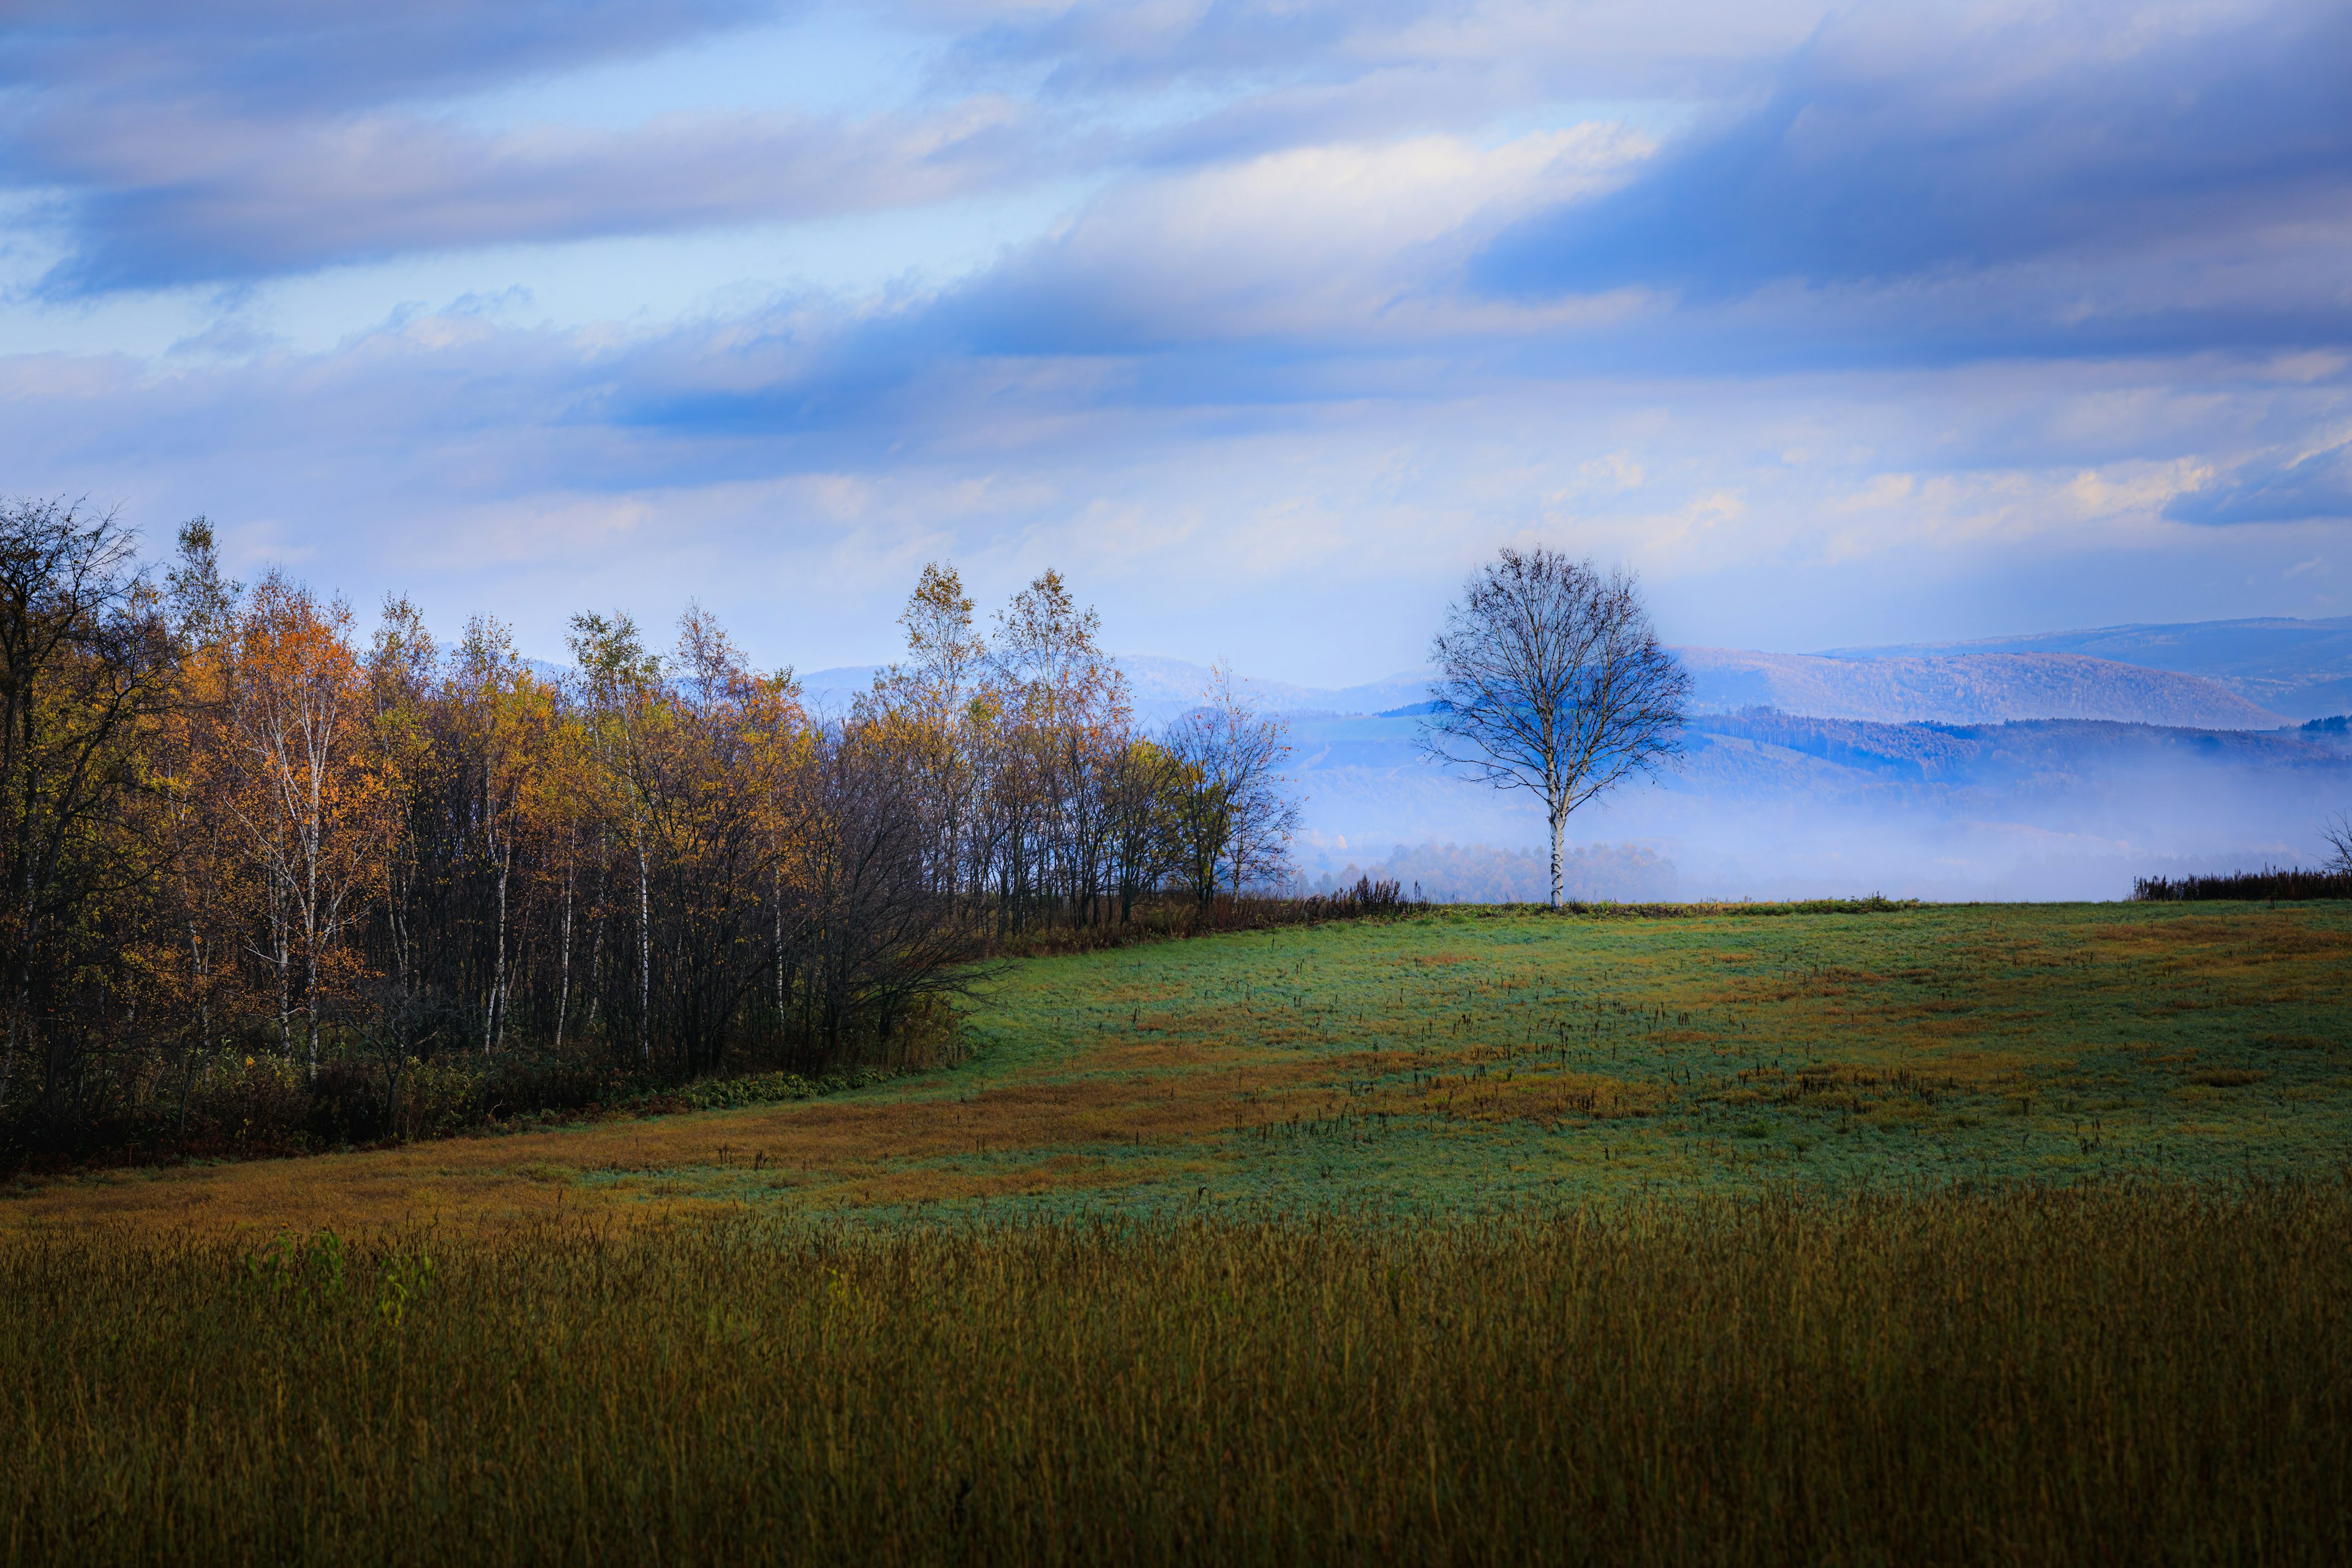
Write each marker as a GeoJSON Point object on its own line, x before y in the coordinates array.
{"type": "Point", "coordinates": [1967, 688]}
{"type": "Point", "coordinates": [2300, 668]}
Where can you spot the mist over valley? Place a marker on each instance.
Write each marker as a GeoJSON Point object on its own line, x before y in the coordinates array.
{"type": "Point", "coordinates": [2059, 765]}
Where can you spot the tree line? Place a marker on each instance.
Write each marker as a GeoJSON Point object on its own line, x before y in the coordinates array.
{"type": "Point", "coordinates": [240, 834]}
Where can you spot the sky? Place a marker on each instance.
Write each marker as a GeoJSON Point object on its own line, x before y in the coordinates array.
{"type": "Point", "coordinates": [1264, 322]}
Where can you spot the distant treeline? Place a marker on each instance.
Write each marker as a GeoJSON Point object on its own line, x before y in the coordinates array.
{"type": "Point", "coordinates": [255, 864]}
{"type": "Point", "coordinates": [2271, 883]}
{"type": "Point", "coordinates": [1484, 874]}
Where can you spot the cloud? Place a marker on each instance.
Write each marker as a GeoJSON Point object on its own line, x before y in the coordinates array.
{"type": "Point", "coordinates": [794, 466]}
{"type": "Point", "coordinates": [184, 143]}
{"type": "Point", "coordinates": [82, 58]}
{"type": "Point", "coordinates": [1344, 246]}
{"type": "Point", "coordinates": [265, 138]}
{"type": "Point", "coordinates": [1607, 47]}
{"type": "Point", "coordinates": [2313, 486]}
{"type": "Point", "coordinates": [226, 338]}
{"type": "Point", "coordinates": [222, 200]}
{"type": "Point", "coordinates": [2108, 175]}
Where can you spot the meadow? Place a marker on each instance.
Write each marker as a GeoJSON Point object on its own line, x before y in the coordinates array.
{"type": "Point", "coordinates": [1459, 1061]}
{"type": "Point", "coordinates": [1848, 1234]}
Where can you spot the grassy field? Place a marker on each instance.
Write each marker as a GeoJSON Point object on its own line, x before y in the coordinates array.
{"type": "Point", "coordinates": [2117, 1375]}
{"type": "Point", "coordinates": [1944, 1234]}
{"type": "Point", "coordinates": [1459, 1061]}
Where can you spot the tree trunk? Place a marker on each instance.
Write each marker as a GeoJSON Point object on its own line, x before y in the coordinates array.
{"type": "Point", "coordinates": [491, 1023]}
{"type": "Point", "coordinates": [564, 990]}
{"type": "Point", "coordinates": [311, 1000]}
{"type": "Point", "coordinates": [282, 959]}
{"type": "Point", "coordinates": [645, 960]}
{"type": "Point", "coordinates": [1558, 828]}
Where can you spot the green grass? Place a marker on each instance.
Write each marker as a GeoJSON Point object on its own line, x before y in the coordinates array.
{"type": "Point", "coordinates": [2121, 1374]}
{"type": "Point", "coordinates": [1472, 1058]}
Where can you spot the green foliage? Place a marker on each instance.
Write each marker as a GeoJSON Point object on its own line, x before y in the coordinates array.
{"type": "Point", "coordinates": [305, 1272]}
{"type": "Point", "coordinates": [401, 1281]}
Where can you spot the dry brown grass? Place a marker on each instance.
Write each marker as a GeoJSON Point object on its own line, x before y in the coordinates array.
{"type": "Point", "coordinates": [2142, 1374]}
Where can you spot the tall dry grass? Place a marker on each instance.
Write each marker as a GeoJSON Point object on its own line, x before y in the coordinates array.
{"type": "Point", "coordinates": [2132, 1374]}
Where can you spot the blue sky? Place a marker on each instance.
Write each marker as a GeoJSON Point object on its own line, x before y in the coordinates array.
{"type": "Point", "coordinates": [1263, 321]}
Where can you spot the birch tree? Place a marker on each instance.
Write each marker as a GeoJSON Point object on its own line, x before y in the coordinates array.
{"type": "Point", "coordinates": [1550, 678]}
{"type": "Point", "coordinates": [304, 786]}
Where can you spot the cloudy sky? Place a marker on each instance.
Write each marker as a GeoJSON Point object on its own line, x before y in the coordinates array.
{"type": "Point", "coordinates": [1261, 319]}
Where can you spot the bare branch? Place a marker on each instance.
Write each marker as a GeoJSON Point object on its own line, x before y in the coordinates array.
{"type": "Point", "coordinates": [1551, 679]}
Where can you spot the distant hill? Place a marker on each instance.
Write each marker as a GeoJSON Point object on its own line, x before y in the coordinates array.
{"type": "Point", "coordinates": [1965, 688]}
{"type": "Point", "coordinates": [2300, 668]}
{"type": "Point", "coordinates": [1164, 687]}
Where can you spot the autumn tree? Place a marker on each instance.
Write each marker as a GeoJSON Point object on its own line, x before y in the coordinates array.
{"type": "Point", "coordinates": [202, 888]}
{"type": "Point", "coordinates": [1071, 715]}
{"type": "Point", "coordinates": [936, 708]}
{"type": "Point", "coordinates": [621, 685]}
{"type": "Point", "coordinates": [298, 776]}
{"type": "Point", "coordinates": [85, 665]}
{"type": "Point", "coordinates": [722, 800]}
{"type": "Point", "coordinates": [223, 822]}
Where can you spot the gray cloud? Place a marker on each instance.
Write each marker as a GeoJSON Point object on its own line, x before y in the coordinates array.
{"type": "Point", "coordinates": [236, 200]}
{"type": "Point", "coordinates": [2314, 487]}
{"type": "Point", "coordinates": [2084, 180]}
{"type": "Point", "coordinates": [85, 57]}
{"type": "Point", "coordinates": [263, 137]}
{"type": "Point", "coordinates": [796, 464]}
{"type": "Point", "coordinates": [242, 140]}
{"type": "Point", "coordinates": [1533, 50]}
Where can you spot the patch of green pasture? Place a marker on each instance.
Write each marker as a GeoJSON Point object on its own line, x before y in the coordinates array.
{"type": "Point", "coordinates": [1472, 1059]}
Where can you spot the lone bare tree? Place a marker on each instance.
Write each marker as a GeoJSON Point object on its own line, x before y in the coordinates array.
{"type": "Point", "coordinates": [1549, 677]}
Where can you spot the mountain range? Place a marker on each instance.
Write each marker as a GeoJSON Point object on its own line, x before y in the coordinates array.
{"type": "Point", "coordinates": [1965, 688]}
{"type": "Point", "coordinates": [2299, 669]}
{"type": "Point", "coordinates": [2213, 675]}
